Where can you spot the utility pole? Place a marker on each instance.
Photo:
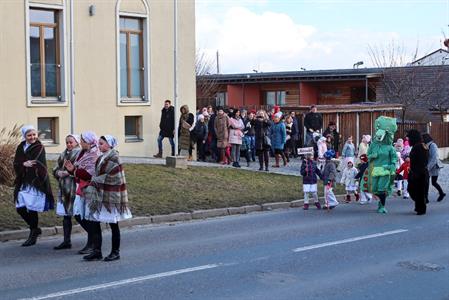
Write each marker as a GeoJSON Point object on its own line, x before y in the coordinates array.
{"type": "Point", "coordinates": [218, 63]}
{"type": "Point", "coordinates": [175, 69]}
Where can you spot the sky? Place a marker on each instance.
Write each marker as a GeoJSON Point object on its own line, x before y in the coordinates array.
{"type": "Point", "coordinates": [287, 35]}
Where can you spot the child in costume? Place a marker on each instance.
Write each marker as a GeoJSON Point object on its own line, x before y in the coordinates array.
{"type": "Point", "coordinates": [399, 147]}
{"type": "Point", "coordinates": [310, 172]}
{"type": "Point", "coordinates": [329, 176]}
{"type": "Point", "coordinates": [322, 148]}
{"type": "Point", "coordinates": [348, 179]}
{"type": "Point", "coordinates": [365, 196]}
{"type": "Point", "coordinates": [404, 169]}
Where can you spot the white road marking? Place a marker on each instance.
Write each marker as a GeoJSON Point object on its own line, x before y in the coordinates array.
{"type": "Point", "coordinates": [350, 240]}
{"type": "Point", "coordinates": [124, 282]}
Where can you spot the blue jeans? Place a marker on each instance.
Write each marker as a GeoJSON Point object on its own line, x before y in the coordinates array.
{"type": "Point", "coordinates": [172, 143]}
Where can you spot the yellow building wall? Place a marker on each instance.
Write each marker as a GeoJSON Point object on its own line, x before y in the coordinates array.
{"type": "Point", "coordinates": [96, 72]}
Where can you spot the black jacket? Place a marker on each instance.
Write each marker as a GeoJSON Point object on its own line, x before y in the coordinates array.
{"type": "Point", "coordinates": [167, 123]}
{"type": "Point", "coordinates": [313, 121]}
{"type": "Point", "coordinates": [200, 131]}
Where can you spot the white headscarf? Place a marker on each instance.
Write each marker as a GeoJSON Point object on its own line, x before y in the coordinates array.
{"type": "Point", "coordinates": [278, 115]}
{"type": "Point", "coordinates": [25, 130]}
{"type": "Point", "coordinates": [112, 141]}
{"type": "Point", "coordinates": [75, 137]}
{"type": "Point", "coordinates": [90, 137]}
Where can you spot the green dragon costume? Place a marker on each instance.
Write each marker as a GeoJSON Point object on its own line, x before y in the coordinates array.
{"type": "Point", "coordinates": [379, 176]}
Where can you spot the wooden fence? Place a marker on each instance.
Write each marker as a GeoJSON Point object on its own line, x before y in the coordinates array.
{"type": "Point", "coordinates": [440, 134]}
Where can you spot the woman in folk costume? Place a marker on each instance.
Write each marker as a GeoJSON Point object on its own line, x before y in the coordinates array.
{"type": "Point", "coordinates": [82, 170]}
{"type": "Point", "coordinates": [186, 121]}
{"type": "Point", "coordinates": [107, 198]}
{"type": "Point", "coordinates": [67, 188]}
{"type": "Point", "coordinates": [32, 192]}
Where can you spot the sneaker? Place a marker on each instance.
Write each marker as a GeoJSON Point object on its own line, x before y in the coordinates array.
{"type": "Point", "coordinates": [399, 193]}
{"type": "Point", "coordinates": [318, 205]}
{"type": "Point", "coordinates": [306, 206]}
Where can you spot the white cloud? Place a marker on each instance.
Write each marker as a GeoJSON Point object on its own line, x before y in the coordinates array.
{"type": "Point", "coordinates": [270, 41]}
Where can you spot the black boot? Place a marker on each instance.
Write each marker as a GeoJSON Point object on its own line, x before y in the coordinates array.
{"type": "Point", "coordinates": [67, 227]}
{"type": "Point", "coordinates": [115, 255]}
{"type": "Point", "coordinates": [89, 246]}
{"type": "Point", "coordinates": [34, 233]}
{"type": "Point", "coordinates": [94, 255]}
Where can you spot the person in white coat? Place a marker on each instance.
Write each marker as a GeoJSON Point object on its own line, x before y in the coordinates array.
{"type": "Point", "coordinates": [349, 181]}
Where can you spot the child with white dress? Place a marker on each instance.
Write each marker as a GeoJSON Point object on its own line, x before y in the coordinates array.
{"type": "Point", "coordinates": [349, 181]}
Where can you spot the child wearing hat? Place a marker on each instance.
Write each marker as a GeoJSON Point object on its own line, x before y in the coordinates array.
{"type": "Point", "coordinates": [309, 173]}
{"type": "Point", "coordinates": [365, 197]}
{"type": "Point", "coordinates": [348, 179]}
{"type": "Point", "coordinates": [329, 176]}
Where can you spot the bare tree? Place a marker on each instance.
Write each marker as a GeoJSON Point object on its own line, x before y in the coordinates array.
{"type": "Point", "coordinates": [206, 85]}
{"type": "Point", "coordinates": [439, 101]}
{"type": "Point", "coordinates": [402, 82]}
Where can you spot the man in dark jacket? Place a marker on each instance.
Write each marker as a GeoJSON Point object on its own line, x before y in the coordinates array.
{"type": "Point", "coordinates": [313, 123]}
{"type": "Point", "coordinates": [167, 128]}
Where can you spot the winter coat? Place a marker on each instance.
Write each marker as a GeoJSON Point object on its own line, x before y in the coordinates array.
{"type": "Point", "coordinates": [167, 123]}
{"type": "Point", "coordinates": [434, 165]}
{"type": "Point", "coordinates": [211, 125]}
{"type": "Point", "coordinates": [313, 121]}
{"type": "Point", "coordinates": [261, 129]}
{"type": "Point", "coordinates": [249, 129]}
{"type": "Point", "coordinates": [322, 148]}
{"type": "Point", "coordinates": [200, 131]}
{"type": "Point", "coordinates": [404, 169]}
{"type": "Point", "coordinates": [309, 172]}
{"type": "Point", "coordinates": [296, 132]}
{"type": "Point", "coordinates": [236, 131]}
{"type": "Point", "coordinates": [221, 126]}
{"type": "Point", "coordinates": [348, 150]}
{"type": "Point", "coordinates": [363, 149]}
{"type": "Point", "coordinates": [185, 141]}
{"type": "Point", "coordinates": [278, 135]}
{"type": "Point", "coordinates": [329, 172]}
{"type": "Point", "coordinates": [418, 176]}
{"type": "Point", "coordinates": [348, 177]}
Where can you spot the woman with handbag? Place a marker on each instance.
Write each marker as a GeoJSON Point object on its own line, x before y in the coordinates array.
{"type": "Point", "coordinates": [262, 126]}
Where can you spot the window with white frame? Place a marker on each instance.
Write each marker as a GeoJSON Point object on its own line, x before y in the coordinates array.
{"type": "Point", "coordinates": [47, 130]}
{"type": "Point", "coordinates": [45, 53]}
{"type": "Point", "coordinates": [133, 128]}
{"type": "Point", "coordinates": [132, 59]}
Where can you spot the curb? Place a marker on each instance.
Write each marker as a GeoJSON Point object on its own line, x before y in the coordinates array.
{"type": "Point", "coordinates": [160, 219]}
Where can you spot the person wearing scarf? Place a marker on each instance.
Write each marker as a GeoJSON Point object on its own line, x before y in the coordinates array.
{"type": "Point", "coordinates": [82, 170]}
{"type": "Point", "coordinates": [32, 192]}
{"type": "Point", "coordinates": [107, 198]}
{"type": "Point", "coordinates": [67, 188]}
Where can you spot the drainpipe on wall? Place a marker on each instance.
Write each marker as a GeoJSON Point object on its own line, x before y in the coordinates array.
{"type": "Point", "coordinates": [72, 73]}
{"type": "Point", "coordinates": [175, 69]}
{"type": "Point", "coordinates": [366, 89]}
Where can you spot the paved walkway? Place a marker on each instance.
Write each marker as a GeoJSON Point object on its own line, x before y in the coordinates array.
{"type": "Point", "coordinates": [291, 169]}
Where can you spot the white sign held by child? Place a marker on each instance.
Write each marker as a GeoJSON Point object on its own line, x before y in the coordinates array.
{"type": "Point", "coordinates": [304, 151]}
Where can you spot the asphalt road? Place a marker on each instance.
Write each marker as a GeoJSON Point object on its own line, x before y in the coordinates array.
{"type": "Point", "coordinates": [348, 253]}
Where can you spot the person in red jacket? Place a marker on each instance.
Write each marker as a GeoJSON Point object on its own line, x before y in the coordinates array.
{"type": "Point", "coordinates": [403, 170]}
